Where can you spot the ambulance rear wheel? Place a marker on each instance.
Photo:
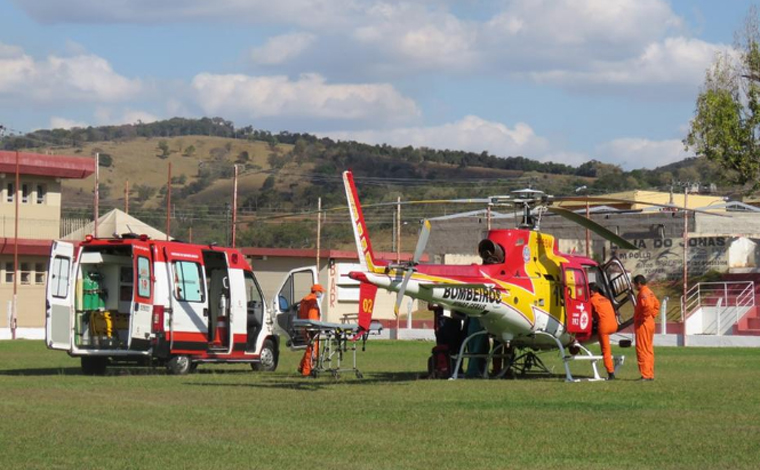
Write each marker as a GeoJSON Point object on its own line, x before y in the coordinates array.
{"type": "Point", "coordinates": [268, 359]}
{"type": "Point", "coordinates": [94, 365]}
{"type": "Point", "coordinates": [179, 365]}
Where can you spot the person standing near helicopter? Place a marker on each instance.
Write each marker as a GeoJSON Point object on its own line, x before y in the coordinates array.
{"type": "Point", "coordinates": [607, 324]}
{"type": "Point", "coordinates": [647, 307]}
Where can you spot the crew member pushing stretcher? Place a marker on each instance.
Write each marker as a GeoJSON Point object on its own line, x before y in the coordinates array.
{"type": "Point", "coordinates": [309, 310]}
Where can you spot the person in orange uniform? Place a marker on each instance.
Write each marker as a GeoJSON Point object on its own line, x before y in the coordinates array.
{"type": "Point", "coordinates": [607, 324]}
{"type": "Point", "coordinates": [309, 310]}
{"type": "Point", "coordinates": [647, 307]}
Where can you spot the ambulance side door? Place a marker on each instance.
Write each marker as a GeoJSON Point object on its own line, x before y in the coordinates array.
{"type": "Point", "coordinates": [189, 298]}
{"type": "Point", "coordinates": [59, 312]}
{"type": "Point", "coordinates": [296, 285]}
{"type": "Point", "coordinates": [141, 310]}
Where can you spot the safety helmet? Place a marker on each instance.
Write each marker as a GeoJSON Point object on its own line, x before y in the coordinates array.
{"type": "Point", "coordinates": [317, 288]}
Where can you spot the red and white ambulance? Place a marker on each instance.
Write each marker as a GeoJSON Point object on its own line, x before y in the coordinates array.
{"type": "Point", "coordinates": [133, 299]}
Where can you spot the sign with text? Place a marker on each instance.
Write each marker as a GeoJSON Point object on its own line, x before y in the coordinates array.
{"type": "Point", "coordinates": [661, 259]}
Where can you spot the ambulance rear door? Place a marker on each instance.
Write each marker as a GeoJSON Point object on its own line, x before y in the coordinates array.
{"type": "Point", "coordinates": [59, 314]}
{"type": "Point", "coordinates": [141, 310]}
{"type": "Point", "coordinates": [296, 285]}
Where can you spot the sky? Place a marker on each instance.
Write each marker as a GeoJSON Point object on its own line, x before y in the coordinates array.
{"type": "Point", "coordinates": [552, 80]}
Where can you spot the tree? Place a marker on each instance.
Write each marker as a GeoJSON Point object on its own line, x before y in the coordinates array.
{"type": "Point", "coordinates": [726, 125]}
{"type": "Point", "coordinates": [189, 151]}
{"type": "Point", "coordinates": [163, 146]}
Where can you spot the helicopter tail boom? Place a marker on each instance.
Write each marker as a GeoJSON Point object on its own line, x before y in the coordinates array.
{"type": "Point", "coordinates": [361, 234]}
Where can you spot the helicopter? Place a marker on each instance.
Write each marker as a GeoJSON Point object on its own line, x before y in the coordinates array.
{"type": "Point", "coordinates": [527, 295]}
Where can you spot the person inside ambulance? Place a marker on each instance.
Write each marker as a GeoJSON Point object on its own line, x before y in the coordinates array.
{"type": "Point", "coordinates": [604, 314]}
{"type": "Point", "coordinates": [309, 310]}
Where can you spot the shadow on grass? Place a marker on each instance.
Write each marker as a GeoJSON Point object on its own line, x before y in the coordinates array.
{"type": "Point", "coordinates": [323, 382]}
{"type": "Point", "coordinates": [48, 371]}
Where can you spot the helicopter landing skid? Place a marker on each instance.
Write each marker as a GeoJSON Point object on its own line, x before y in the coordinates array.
{"type": "Point", "coordinates": [587, 356]}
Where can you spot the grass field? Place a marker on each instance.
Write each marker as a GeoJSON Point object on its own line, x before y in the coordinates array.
{"type": "Point", "coordinates": [703, 411]}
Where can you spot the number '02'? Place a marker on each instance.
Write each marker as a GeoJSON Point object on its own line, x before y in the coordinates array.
{"type": "Point", "coordinates": [367, 305]}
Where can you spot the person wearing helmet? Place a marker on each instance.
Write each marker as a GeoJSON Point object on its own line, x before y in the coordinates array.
{"type": "Point", "coordinates": [309, 310]}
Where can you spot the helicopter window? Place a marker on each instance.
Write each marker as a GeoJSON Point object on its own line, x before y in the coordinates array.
{"type": "Point", "coordinates": [549, 277]}
{"type": "Point", "coordinates": [576, 284]}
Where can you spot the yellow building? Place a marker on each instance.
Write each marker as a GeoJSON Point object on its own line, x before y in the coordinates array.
{"type": "Point", "coordinates": [39, 215]}
{"type": "Point", "coordinates": [638, 199]}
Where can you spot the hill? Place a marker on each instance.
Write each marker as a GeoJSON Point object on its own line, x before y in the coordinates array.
{"type": "Point", "coordinates": [288, 172]}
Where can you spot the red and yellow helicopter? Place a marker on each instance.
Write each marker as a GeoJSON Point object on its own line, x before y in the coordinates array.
{"type": "Point", "coordinates": [527, 295]}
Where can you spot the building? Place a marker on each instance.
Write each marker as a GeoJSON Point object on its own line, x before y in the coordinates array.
{"type": "Point", "coordinates": [342, 296]}
{"type": "Point", "coordinates": [39, 216]}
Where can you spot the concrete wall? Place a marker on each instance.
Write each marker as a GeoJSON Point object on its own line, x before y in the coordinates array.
{"type": "Point", "coordinates": [31, 290]}
{"type": "Point", "coordinates": [38, 217]}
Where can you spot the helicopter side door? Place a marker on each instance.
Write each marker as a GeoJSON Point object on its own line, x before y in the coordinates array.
{"type": "Point", "coordinates": [577, 307]}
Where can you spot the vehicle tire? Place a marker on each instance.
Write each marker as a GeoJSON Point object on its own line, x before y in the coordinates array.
{"type": "Point", "coordinates": [268, 358]}
{"type": "Point", "coordinates": [178, 365]}
{"type": "Point", "coordinates": [94, 365]}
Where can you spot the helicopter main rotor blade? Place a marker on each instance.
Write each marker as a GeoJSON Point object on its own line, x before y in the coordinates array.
{"type": "Point", "coordinates": [594, 227]}
{"type": "Point", "coordinates": [402, 289]}
{"type": "Point", "coordinates": [422, 241]}
{"type": "Point", "coordinates": [418, 252]}
{"type": "Point", "coordinates": [630, 201]}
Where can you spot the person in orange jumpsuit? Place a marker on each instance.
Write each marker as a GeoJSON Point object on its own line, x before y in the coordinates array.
{"type": "Point", "coordinates": [309, 310]}
{"type": "Point", "coordinates": [647, 308]}
{"type": "Point", "coordinates": [607, 324]}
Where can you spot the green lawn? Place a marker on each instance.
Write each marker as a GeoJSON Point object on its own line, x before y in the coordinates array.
{"type": "Point", "coordinates": [703, 411]}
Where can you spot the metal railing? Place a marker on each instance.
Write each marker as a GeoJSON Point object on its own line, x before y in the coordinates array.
{"type": "Point", "coordinates": [730, 300]}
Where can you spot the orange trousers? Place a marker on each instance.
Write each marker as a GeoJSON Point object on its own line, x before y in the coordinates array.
{"type": "Point", "coordinates": [645, 347]}
{"type": "Point", "coordinates": [604, 343]}
{"type": "Point", "coordinates": [312, 350]}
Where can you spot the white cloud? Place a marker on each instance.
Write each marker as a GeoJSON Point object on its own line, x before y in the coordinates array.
{"type": "Point", "coordinates": [634, 153]}
{"type": "Point", "coordinates": [78, 78]}
{"type": "Point", "coordinates": [471, 133]}
{"type": "Point", "coordinates": [64, 123]}
{"type": "Point", "coordinates": [309, 96]}
{"type": "Point", "coordinates": [106, 116]}
{"type": "Point", "coordinates": [281, 49]}
{"type": "Point", "coordinates": [674, 61]}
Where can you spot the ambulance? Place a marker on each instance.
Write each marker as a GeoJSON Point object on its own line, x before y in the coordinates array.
{"type": "Point", "coordinates": [136, 300]}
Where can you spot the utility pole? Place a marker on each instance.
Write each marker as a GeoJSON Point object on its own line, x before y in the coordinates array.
{"type": "Point", "coordinates": [234, 206]}
{"type": "Point", "coordinates": [169, 202]}
{"type": "Point", "coordinates": [126, 197]}
{"type": "Point", "coordinates": [14, 312]}
{"type": "Point", "coordinates": [319, 230]}
{"type": "Point", "coordinates": [97, 194]}
{"type": "Point", "coordinates": [685, 259]}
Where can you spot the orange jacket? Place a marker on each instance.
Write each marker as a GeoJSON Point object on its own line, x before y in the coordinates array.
{"type": "Point", "coordinates": [605, 312]}
{"type": "Point", "coordinates": [647, 305]}
{"type": "Point", "coordinates": [309, 309]}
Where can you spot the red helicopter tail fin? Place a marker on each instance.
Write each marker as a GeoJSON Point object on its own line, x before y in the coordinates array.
{"type": "Point", "coordinates": [367, 294]}
{"type": "Point", "coordinates": [361, 234]}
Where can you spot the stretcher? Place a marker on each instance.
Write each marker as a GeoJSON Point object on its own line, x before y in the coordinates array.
{"type": "Point", "coordinates": [334, 341]}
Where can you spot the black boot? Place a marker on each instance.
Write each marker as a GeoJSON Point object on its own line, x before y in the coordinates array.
{"type": "Point", "coordinates": [610, 376]}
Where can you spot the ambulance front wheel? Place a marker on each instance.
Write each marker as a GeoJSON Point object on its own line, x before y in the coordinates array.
{"type": "Point", "coordinates": [268, 359]}
{"type": "Point", "coordinates": [179, 365]}
{"type": "Point", "coordinates": [94, 365]}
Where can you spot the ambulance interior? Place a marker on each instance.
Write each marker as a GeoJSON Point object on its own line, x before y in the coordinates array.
{"type": "Point", "coordinates": [103, 298]}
